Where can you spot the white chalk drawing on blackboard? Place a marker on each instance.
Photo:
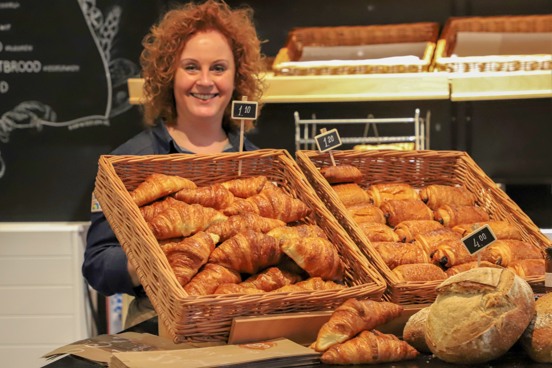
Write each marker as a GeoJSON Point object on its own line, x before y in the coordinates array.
{"type": "Point", "coordinates": [35, 114]}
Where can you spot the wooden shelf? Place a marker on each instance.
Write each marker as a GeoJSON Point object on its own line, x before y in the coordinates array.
{"type": "Point", "coordinates": [396, 87]}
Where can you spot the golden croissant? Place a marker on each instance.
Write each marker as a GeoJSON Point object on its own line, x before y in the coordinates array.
{"type": "Point", "coordinates": [187, 256]}
{"type": "Point", "coordinates": [352, 317]}
{"type": "Point", "coordinates": [270, 279]}
{"type": "Point", "coordinates": [370, 347]}
{"type": "Point", "coordinates": [245, 187]}
{"type": "Point", "coordinates": [311, 284]}
{"type": "Point", "coordinates": [437, 195]}
{"type": "Point", "coordinates": [247, 252]}
{"type": "Point", "coordinates": [238, 223]}
{"type": "Point", "coordinates": [215, 196]}
{"type": "Point", "coordinates": [157, 186]}
{"type": "Point", "coordinates": [183, 219]}
{"type": "Point", "coordinates": [284, 233]}
{"type": "Point", "coordinates": [382, 192]}
{"type": "Point", "coordinates": [209, 278]}
{"type": "Point", "coordinates": [317, 256]}
{"type": "Point", "coordinates": [151, 210]}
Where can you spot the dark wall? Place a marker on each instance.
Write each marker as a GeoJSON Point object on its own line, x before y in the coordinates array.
{"type": "Point", "coordinates": [55, 125]}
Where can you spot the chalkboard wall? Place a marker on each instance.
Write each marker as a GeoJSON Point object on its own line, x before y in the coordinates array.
{"type": "Point", "coordinates": [63, 94]}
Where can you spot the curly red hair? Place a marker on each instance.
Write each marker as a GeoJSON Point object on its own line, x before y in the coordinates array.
{"type": "Point", "coordinates": [166, 40]}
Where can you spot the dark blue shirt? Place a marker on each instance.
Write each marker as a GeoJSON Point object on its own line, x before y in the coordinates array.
{"type": "Point", "coordinates": [105, 262]}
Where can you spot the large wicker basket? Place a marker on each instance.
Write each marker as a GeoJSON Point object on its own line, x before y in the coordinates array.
{"type": "Point", "coordinates": [418, 168]}
{"type": "Point", "coordinates": [209, 318]}
{"type": "Point", "coordinates": [445, 61]}
{"type": "Point", "coordinates": [287, 61]}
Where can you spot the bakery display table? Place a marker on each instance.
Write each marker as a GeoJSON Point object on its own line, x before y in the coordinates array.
{"type": "Point", "coordinates": [515, 358]}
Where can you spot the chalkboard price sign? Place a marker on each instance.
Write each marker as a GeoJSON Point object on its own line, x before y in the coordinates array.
{"type": "Point", "coordinates": [328, 140]}
{"type": "Point", "coordinates": [244, 110]}
{"type": "Point", "coordinates": [479, 239]}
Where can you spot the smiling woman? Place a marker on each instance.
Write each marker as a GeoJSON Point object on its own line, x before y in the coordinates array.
{"type": "Point", "coordinates": [197, 60]}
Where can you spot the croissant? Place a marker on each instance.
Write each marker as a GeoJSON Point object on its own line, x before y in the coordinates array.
{"type": "Point", "coordinates": [187, 257]}
{"type": "Point", "coordinates": [528, 267]}
{"type": "Point", "coordinates": [245, 187]}
{"type": "Point", "coordinates": [272, 203]}
{"type": "Point", "coordinates": [311, 284]}
{"type": "Point", "coordinates": [183, 219]}
{"type": "Point", "coordinates": [208, 279]}
{"type": "Point", "coordinates": [150, 211]}
{"type": "Point", "coordinates": [437, 195]}
{"type": "Point", "coordinates": [369, 347]}
{"type": "Point", "coordinates": [343, 173]}
{"type": "Point", "coordinates": [271, 279]}
{"type": "Point", "coordinates": [397, 253]}
{"type": "Point", "coordinates": [432, 239]}
{"type": "Point", "coordinates": [215, 196]}
{"type": "Point", "coordinates": [451, 215]}
{"type": "Point", "coordinates": [501, 229]}
{"type": "Point", "coordinates": [284, 233]}
{"type": "Point", "coordinates": [376, 232]}
{"type": "Point", "coordinates": [236, 289]}
{"type": "Point", "coordinates": [352, 317]}
{"type": "Point", "coordinates": [398, 210]}
{"type": "Point", "coordinates": [317, 256]}
{"type": "Point", "coordinates": [468, 266]}
{"type": "Point", "coordinates": [247, 252]}
{"type": "Point", "coordinates": [419, 272]}
{"type": "Point", "coordinates": [506, 251]}
{"type": "Point", "coordinates": [157, 186]}
{"type": "Point", "coordinates": [382, 192]}
{"type": "Point", "coordinates": [351, 194]}
{"type": "Point", "coordinates": [407, 230]}
{"type": "Point", "coordinates": [238, 223]}
{"type": "Point", "coordinates": [366, 212]}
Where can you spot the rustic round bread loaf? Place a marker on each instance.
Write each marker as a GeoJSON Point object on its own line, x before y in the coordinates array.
{"type": "Point", "coordinates": [478, 315]}
{"type": "Point", "coordinates": [537, 338]}
{"type": "Point", "coordinates": [414, 330]}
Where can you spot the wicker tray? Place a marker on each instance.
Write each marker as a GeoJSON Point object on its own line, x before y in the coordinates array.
{"type": "Point", "coordinates": [418, 168]}
{"type": "Point", "coordinates": [443, 60]}
{"type": "Point", "coordinates": [287, 61]}
{"type": "Point", "coordinates": [209, 318]}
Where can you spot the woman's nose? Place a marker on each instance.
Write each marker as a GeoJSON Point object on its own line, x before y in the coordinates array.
{"type": "Point", "coordinates": [205, 78]}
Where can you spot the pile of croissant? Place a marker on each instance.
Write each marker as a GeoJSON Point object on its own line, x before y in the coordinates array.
{"type": "Point", "coordinates": [350, 336]}
{"type": "Point", "coordinates": [418, 231]}
{"type": "Point", "coordinates": [245, 235]}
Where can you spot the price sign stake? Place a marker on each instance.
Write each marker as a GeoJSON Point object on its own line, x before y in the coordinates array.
{"type": "Point", "coordinates": [328, 140]}
{"type": "Point", "coordinates": [479, 240]}
{"type": "Point", "coordinates": [243, 110]}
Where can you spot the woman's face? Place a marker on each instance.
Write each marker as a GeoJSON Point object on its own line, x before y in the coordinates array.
{"type": "Point", "coordinates": [204, 79]}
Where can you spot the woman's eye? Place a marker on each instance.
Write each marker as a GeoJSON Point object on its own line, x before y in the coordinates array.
{"type": "Point", "coordinates": [190, 67]}
{"type": "Point", "coordinates": [219, 68]}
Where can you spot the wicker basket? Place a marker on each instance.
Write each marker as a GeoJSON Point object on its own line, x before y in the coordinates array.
{"type": "Point", "coordinates": [287, 61]}
{"type": "Point", "coordinates": [418, 168]}
{"type": "Point", "coordinates": [446, 44]}
{"type": "Point", "coordinates": [209, 318]}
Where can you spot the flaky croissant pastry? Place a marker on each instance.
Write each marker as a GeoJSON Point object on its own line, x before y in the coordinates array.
{"type": "Point", "coordinates": [247, 221]}
{"type": "Point", "coordinates": [437, 195]}
{"type": "Point", "coordinates": [247, 252]}
{"type": "Point", "coordinates": [352, 317]}
{"type": "Point", "coordinates": [245, 187]}
{"type": "Point", "coordinates": [369, 347]}
{"type": "Point", "coordinates": [209, 278]}
{"type": "Point", "coordinates": [317, 256]}
{"type": "Point", "coordinates": [187, 256]}
{"type": "Point", "coordinates": [215, 196]}
{"type": "Point", "coordinates": [343, 173]}
{"type": "Point", "coordinates": [183, 219]}
{"type": "Point", "coordinates": [399, 210]}
{"type": "Point", "coordinates": [157, 186]}
{"type": "Point", "coordinates": [382, 192]}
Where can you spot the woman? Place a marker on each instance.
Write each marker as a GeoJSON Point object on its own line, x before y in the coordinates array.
{"type": "Point", "coordinates": [197, 60]}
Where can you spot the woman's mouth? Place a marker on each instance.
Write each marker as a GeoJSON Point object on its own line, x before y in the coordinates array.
{"type": "Point", "coordinates": [204, 96]}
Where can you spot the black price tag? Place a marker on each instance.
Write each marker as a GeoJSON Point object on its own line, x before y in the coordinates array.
{"type": "Point", "coordinates": [244, 110]}
{"type": "Point", "coordinates": [328, 140]}
{"type": "Point", "coordinates": [479, 239]}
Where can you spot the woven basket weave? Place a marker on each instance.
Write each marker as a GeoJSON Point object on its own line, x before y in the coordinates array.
{"type": "Point", "coordinates": [491, 63]}
{"type": "Point", "coordinates": [209, 318]}
{"type": "Point", "coordinates": [286, 63]}
{"type": "Point", "coordinates": [418, 168]}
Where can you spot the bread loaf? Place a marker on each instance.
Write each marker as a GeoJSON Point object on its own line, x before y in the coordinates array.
{"type": "Point", "coordinates": [414, 330]}
{"type": "Point", "coordinates": [478, 315]}
{"type": "Point", "coordinates": [537, 338]}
